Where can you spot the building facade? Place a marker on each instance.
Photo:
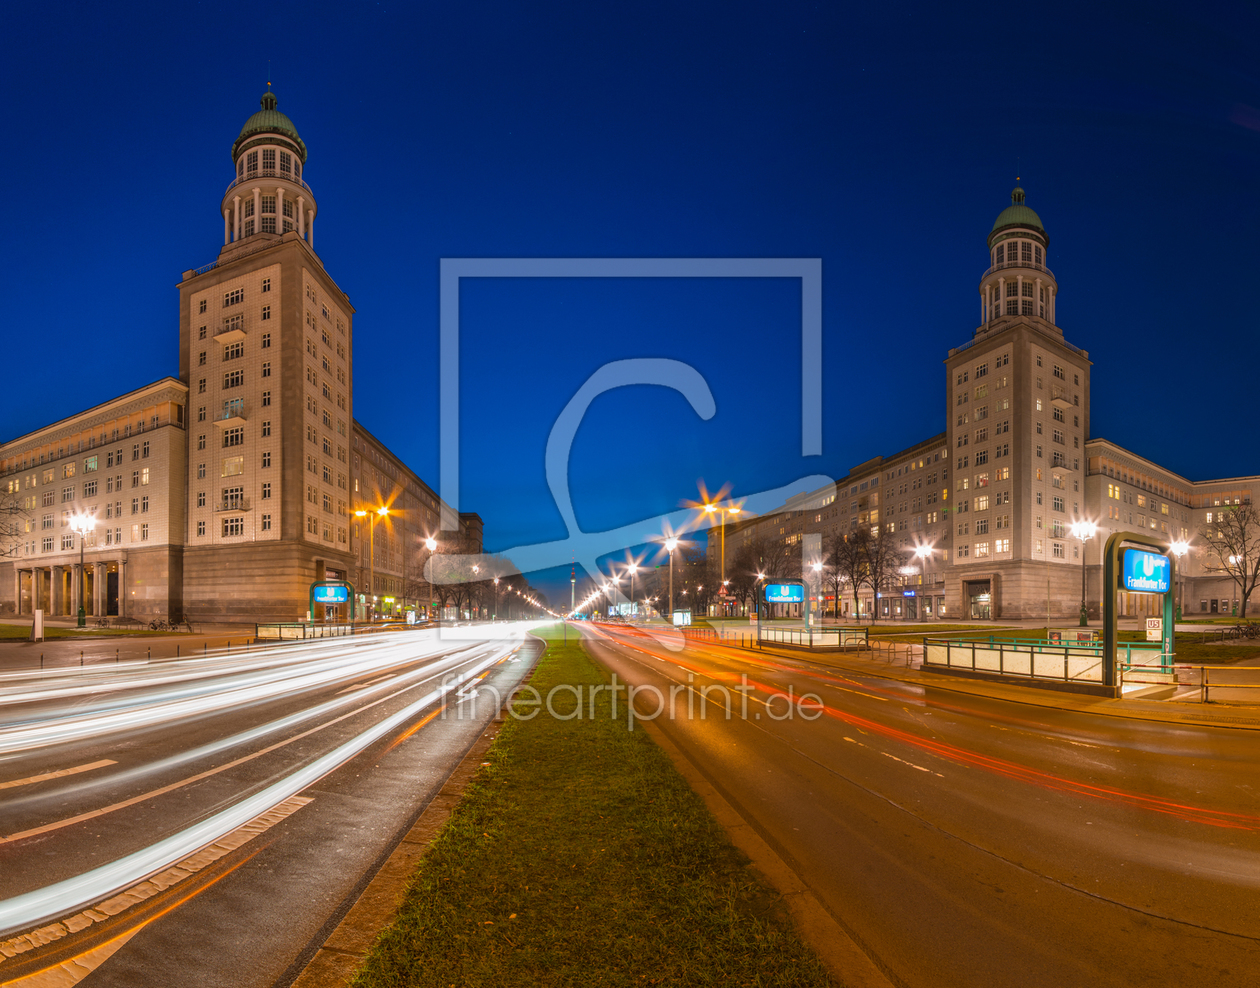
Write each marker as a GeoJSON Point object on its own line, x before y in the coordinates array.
{"type": "Point", "coordinates": [248, 470]}
{"type": "Point", "coordinates": [995, 538]}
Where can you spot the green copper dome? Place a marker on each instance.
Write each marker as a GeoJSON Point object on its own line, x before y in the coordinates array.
{"type": "Point", "coordinates": [268, 120]}
{"type": "Point", "coordinates": [1017, 214]}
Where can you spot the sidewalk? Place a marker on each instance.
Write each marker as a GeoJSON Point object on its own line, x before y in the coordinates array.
{"type": "Point", "coordinates": [90, 646]}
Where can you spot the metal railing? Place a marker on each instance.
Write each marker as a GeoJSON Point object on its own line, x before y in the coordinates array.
{"type": "Point", "coordinates": [1028, 265]}
{"type": "Point", "coordinates": [1206, 685]}
{"type": "Point", "coordinates": [232, 504]}
{"type": "Point", "coordinates": [1078, 662]}
{"type": "Point", "coordinates": [299, 630]}
{"type": "Point", "coordinates": [267, 173]}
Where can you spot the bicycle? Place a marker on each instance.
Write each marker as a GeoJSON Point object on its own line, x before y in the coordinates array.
{"type": "Point", "coordinates": [159, 624]}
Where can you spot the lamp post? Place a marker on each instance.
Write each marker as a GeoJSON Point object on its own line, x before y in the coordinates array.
{"type": "Point", "coordinates": [1179, 548]}
{"type": "Point", "coordinates": [924, 552]}
{"type": "Point", "coordinates": [431, 544]}
{"type": "Point", "coordinates": [82, 524]}
{"type": "Point", "coordinates": [380, 512]}
{"type": "Point", "coordinates": [723, 511]}
{"type": "Point", "coordinates": [671, 544]}
{"type": "Point", "coordinates": [633, 568]}
{"type": "Point", "coordinates": [817, 568]}
{"type": "Point", "coordinates": [1083, 531]}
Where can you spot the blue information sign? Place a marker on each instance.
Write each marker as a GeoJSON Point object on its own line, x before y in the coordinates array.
{"type": "Point", "coordinates": [334, 593]}
{"type": "Point", "coordinates": [1144, 572]}
{"type": "Point", "coordinates": [785, 593]}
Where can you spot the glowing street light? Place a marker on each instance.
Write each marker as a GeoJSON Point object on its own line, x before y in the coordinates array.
{"type": "Point", "coordinates": [380, 512]}
{"type": "Point", "coordinates": [1083, 531]}
{"type": "Point", "coordinates": [1179, 548]}
{"type": "Point", "coordinates": [82, 524]}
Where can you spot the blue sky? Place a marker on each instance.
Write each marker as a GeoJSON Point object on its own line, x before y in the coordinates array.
{"type": "Point", "coordinates": [882, 139]}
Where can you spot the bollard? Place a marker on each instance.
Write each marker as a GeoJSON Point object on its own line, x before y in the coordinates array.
{"type": "Point", "coordinates": [205, 648]}
{"type": "Point", "coordinates": [80, 658]}
{"type": "Point", "coordinates": [115, 656]}
{"type": "Point", "coordinates": [177, 651]}
{"type": "Point", "coordinates": [41, 660]}
{"type": "Point", "coordinates": [149, 658]}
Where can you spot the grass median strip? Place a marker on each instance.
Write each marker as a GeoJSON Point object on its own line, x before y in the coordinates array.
{"type": "Point", "coordinates": [580, 855]}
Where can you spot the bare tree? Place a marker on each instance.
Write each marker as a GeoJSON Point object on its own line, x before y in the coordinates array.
{"type": "Point", "coordinates": [13, 518]}
{"type": "Point", "coordinates": [884, 560]}
{"type": "Point", "coordinates": [844, 560]}
{"type": "Point", "coordinates": [1233, 536]}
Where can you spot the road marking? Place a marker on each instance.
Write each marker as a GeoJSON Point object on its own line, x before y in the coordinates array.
{"type": "Point", "coordinates": [363, 686]}
{"type": "Point", "coordinates": [72, 971]}
{"type": "Point", "coordinates": [59, 774]}
{"type": "Point", "coordinates": [911, 764]}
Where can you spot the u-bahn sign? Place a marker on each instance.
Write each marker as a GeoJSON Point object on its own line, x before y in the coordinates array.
{"type": "Point", "coordinates": [1144, 572]}
{"type": "Point", "coordinates": [785, 593]}
{"type": "Point", "coordinates": [332, 593]}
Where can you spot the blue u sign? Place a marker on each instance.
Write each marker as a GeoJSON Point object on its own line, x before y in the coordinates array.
{"type": "Point", "coordinates": [335, 593]}
{"type": "Point", "coordinates": [1144, 572]}
{"type": "Point", "coordinates": [785, 593]}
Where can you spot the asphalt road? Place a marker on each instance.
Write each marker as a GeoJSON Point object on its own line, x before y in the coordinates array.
{"type": "Point", "coordinates": [206, 821]}
{"type": "Point", "coordinates": [966, 841]}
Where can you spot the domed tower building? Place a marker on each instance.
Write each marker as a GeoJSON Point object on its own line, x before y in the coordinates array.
{"type": "Point", "coordinates": [1017, 422]}
{"type": "Point", "coordinates": [266, 345]}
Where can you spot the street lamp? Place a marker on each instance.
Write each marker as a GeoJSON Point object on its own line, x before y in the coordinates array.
{"type": "Point", "coordinates": [817, 568]}
{"type": "Point", "coordinates": [634, 568]}
{"type": "Point", "coordinates": [1179, 548]}
{"type": "Point", "coordinates": [431, 544]}
{"type": "Point", "coordinates": [671, 544]}
{"type": "Point", "coordinates": [1083, 531]}
{"type": "Point", "coordinates": [495, 616]}
{"type": "Point", "coordinates": [729, 509]}
{"type": "Point", "coordinates": [380, 512]}
{"type": "Point", "coordinates": [924, 552]}
{"type": "Point", "coordinates": [82, 524]}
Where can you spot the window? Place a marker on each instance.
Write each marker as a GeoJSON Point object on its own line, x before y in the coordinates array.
{"type": "Point", "coordinates": [89, 489]}
{"type": "Point", "coordinates": [266, 459]}
{"type": "Point", "coordinates": [135, 505]}
{"type": "Point", "coordinates": [266, 368]}
{"type": "Point", "coordinates": [201, 306]}
{"type": "Point", "coordinates": [201, 471]}
{"type": "Point", "coordinates": [234, 437]}
{"type": "Point", "coordinates": [266, 340]}
{"type": "Point", "coordinates": [144, 477]}
{"type": "Point", "coordinates": [233, 466]}
{"type": "Point", "coordinates": [233, 526]}
{"type": "Point", "coordinates": [266, 314]}
{"type": "Point", "coordinates": [201, 359]}
{"type": "Point", "coordinates": [266, 399]}
{"type": "Point", "coordinates": [266, 491]}
{"type": "Point", "coordinates": [201, 414]}
{"type": "Point", "coordinates": [234, 350]}
{"type": "Point", "coordinates": [328, 502]}
{"type": "Point", "coordinates": [201, 528]}
{"type": "Point", "coordinates": [135, 451]}
{"type": "Point", "coordinates": [1060, 373]}
{"type": "Point", "coordinates": [266, 283]}
{"type": "Point", "coordinates": [201, 499]}
{"type": "Point", "coordinates": [135, 478]}
{"type": "Point", "coordinates": [266, 429]}
{"type": "Point", "coordinates": [67, 493]}
{"type": "Point", "coordinates": [982, 502]}
{"type": "Point", "coordinates": [1058, 503]}
{"type": "Point", "coordinates": [237, 295]}
{"type": "Point", "coordinates": [982, 457]}
{"type": "Point", "coordinates": [1057, 550]}
{"type": "Point", "coordinates": [266, 519]}
{"type": "Point", "coordinates": [201, 333]}
{"type": "Point", "coordinates": [234, 379]}
{"type": "Point", "coordinates": [1038, 449]}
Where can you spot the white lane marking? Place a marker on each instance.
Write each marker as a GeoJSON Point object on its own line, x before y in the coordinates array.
{"type": "Point", "coordinates": [72, 893]}
{"type": "Point", "coordinates": [363, 686]}
{"type": "Point", "coordinates": [59, 774]}
{"type": "Point", "coordinates": [74, 970]}
{"type": "Point", "coordinates": [911, 764]}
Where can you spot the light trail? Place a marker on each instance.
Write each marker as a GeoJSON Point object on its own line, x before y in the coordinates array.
{"type": "Point", "coordinates": [74, 893]}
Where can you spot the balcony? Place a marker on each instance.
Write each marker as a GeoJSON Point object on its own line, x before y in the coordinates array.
{"type": "Point", "coordinates": [1060, 396]}
{"type": "Point", "coordinates": [235, 414]}
{"type": "Point", "coordinates": [1027, 266]}
{"type": "Point", "coordinates": [230, 333]}
{"type": "Point", "coordinates": [271, 173]}
{"type": "Point", "coordinates": [232, 504]}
